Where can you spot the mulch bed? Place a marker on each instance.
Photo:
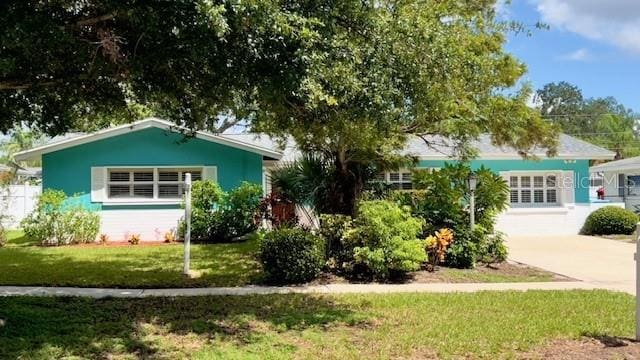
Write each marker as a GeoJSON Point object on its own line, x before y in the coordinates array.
{"type": "Point", "coordinates": [440, 275]}
{"type": "Point", "coordinates": [587, 348]}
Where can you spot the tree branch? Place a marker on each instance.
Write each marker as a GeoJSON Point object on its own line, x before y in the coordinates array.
{"type": "Point", "coordinates": [16, 85]}
{"type": "Point", "coordinates": [93, 20]}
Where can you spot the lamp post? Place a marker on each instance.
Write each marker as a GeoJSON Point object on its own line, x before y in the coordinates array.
{"type": "Point", "coordinates": [472, 182]}
{"type": "Point", "coordinates": [187, 220]}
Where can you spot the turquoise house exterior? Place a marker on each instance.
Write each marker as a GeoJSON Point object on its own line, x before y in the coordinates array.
{"type": "Point", "coordinates": [134, 174]}
{"type": "Point", "coordinates": [579, 167]}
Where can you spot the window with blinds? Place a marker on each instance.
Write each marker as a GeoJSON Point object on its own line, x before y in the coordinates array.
{"type": "Point", "coordinates": [533, 190]}
{"type": "Point", "coordinates": [398, 180]}
{"type": "Point", "coordinates": [149, 183]}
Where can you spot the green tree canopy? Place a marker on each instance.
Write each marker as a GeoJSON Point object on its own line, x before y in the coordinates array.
{"type": "Point", "coordinates": [348, 79]}
{"type": "Point", "coordinates": [68, 64]}
{"type": "Point", "coordinates": [603, 121]}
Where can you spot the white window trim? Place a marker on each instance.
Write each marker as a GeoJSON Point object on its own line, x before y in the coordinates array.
{"type": "Point", "coordinates": [534, 205]}
{"type": "Point", "coordinates": [141, 200]}
{"type": "Point", "coordinates": [387, 178]}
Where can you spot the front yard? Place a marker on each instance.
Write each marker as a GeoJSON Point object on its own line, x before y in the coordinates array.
{"type": "Point", "coordinates": [487, 325]}
{"type": "Point", "coordinates": [160, 266]}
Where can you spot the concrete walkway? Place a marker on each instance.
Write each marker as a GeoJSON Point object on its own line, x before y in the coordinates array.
{"type": "Point", "coordinates": [603, 263]}
{"type": "Point", "coordinates": [319, 289]}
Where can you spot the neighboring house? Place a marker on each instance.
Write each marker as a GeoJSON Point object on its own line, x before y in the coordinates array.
{"type": "Point", "coordinates": [621, 181]}
{"type": "Point", "coordinates": [133, 174]}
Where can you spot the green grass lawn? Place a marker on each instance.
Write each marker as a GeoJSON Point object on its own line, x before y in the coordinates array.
{"type": "Point", "coordinates": [23, 263]}
{"type": "Point", "coordinates": [160, 266]}
{"type": "Point", "coordinates": [480, 325]}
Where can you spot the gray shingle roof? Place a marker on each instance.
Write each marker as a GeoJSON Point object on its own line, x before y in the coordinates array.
{"type": "Point", "coordinates": [618, 165]}
{"type": "Point", "coordinates": [441, 148]}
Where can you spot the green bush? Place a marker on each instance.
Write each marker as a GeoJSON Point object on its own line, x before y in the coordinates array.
{"type": "Point", "coordinates": [333, 229]}
{"type": "Point", "coordinates": [237, 214]}
{"type": "Point", "coordinates": [292, 255]}
{"type": "Point", "coordinates": [463, 251]}
{"type": "Point", "coordinates": [57, 221]}
{"type": "Point", "coordinates": [385, 241]}
{"type": "Point", "coordinates": [492, 249]}
{"type": "Point", "coordinates": [610, 220]}
{"type": "Point", "coordinates": [478, 246]}
{"type": "Point", "coordinates": [442, 197]}
{"type": "Point", "coordinates": [3, 236]}
{"type": "Point", "coordinates": [218, 216]}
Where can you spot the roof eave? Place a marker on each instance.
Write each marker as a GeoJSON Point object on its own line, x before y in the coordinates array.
{"type": "Point", "coordinates": [135, 126]}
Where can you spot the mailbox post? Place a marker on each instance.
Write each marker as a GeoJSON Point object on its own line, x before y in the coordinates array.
{"type": "Point", "coordinates": [637, 258]}
{"type": "Point", "coordinates": [187, 220]}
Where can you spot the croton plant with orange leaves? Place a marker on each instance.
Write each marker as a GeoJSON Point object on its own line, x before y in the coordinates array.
{"type": "Point", "coordinates": [436, 246]}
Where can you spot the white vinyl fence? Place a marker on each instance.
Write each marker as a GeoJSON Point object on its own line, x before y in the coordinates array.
{"type": "Point", "coordinates": [16, 202]}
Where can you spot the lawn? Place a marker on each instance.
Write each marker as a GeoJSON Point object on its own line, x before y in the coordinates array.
{"type": "Point", "coordinates": [480, 325]}
{"type": "Point", "coordinates": [23, 263]}
{"type": "Point", "coordinates": [160, 266]}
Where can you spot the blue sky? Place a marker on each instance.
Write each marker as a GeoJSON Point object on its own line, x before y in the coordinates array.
{"type": "Point", "coordinates": [594, 44]}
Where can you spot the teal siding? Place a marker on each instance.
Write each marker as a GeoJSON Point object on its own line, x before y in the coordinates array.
{"type": "Point", "coordinates": [580, 169]}
{"type": "Point", "coordinates": [70, 169]}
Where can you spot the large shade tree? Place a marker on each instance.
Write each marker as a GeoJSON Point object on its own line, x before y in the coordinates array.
{"type": "Point", "coordinates": [392, 69]}
{"type": "Point", "coordinates": [348, 79]}
{"type": "Point", "coordinates": [70, 64]}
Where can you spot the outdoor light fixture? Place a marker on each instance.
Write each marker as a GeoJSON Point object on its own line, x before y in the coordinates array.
{"type": "Point", "coordinates": [472, 182]}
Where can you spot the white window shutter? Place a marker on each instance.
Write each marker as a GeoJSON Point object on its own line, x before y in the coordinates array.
{"type": "Point", "coordinates": [98, 184]}
{"type": "Point", "coordinates": [567, 185]}
{"type": "Point", "coordinates": [210, 173]}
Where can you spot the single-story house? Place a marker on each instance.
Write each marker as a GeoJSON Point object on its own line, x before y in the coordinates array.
{"type": "Point", "coordinates": [620, 180]}
{"type": "Point", "coordinates": [134, 174]}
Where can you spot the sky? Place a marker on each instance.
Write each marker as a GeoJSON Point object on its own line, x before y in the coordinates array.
{"type": "Point", "coordinates": [593, 44]}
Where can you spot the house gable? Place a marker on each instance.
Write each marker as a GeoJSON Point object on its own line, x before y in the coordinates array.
{"type": "Point", "coordinates": [69, 169]}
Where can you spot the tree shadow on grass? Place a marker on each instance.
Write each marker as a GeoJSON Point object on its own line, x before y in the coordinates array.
{"type": "Point", "coordinates": [610, 341]}
{"type": "Point", "coordinates": [63, 327]}
{"type": "Point", "coordinates": [129, 266]}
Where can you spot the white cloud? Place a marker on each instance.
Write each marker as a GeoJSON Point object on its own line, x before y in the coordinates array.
{"type": "Point", "coordinates": [578, 55]}
{"type": "Point", "coordinates": [613, 21]}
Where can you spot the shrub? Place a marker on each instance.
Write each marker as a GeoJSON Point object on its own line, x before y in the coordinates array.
{"type": "Point", "coordinates": [217, 216]}
{"type": "Point", "coordinates": [443, 196]}
{"type": "Point", "coordinates": [610, 220]}
{"type": "Point", "coordinates": [463, 252]}
{"type": "Point", "coordinates": [205, 195]}
{"type": "Point", "coordinates": [3, 236]}
{"type": "Point", "coordinates": [292, 255]}
{"type": "Point", "coordinates": [56, 221]}
{"type": "Point", "coordinates": [237, 213]}
{"type": "Point", "coordinates": [437, 245]}
{"type": "Point", "coordinates": [492, 249]}
{"type": "Point", "coordinates": [169, 237]}
{"type": "Point", "coordinates": [384, 239]}
{"type": "Point", "coordinates": [134, 239]}
{"type": "Point", "coordinates": [104, 239]}
{"type": "Point", "coordinates": [333, 229]}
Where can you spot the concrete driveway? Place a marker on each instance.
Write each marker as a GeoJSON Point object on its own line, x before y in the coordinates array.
{"type": "Point", "coordinates": [604, 263]}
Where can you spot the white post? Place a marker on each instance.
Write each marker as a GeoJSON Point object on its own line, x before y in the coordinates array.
{"type": "Point", "coordinates": [636, 255]}
{"type": "Point", "coordinates": [472, 212]}
{"type": "Point", "coordinates": [187, 220]}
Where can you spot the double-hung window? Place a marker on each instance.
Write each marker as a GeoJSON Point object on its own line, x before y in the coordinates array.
{"type": "Point", "coordinates": [148, 183]}
{"type": "Point", "coordinates": [397, 180]}
{"type": "Point", "coordinates": [533, 190]}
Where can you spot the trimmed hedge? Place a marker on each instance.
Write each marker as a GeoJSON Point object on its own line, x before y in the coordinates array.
{"type": "Point", "coordinates": [610, 220]}
{"type": "Point", "coordinates": [292, 256]}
